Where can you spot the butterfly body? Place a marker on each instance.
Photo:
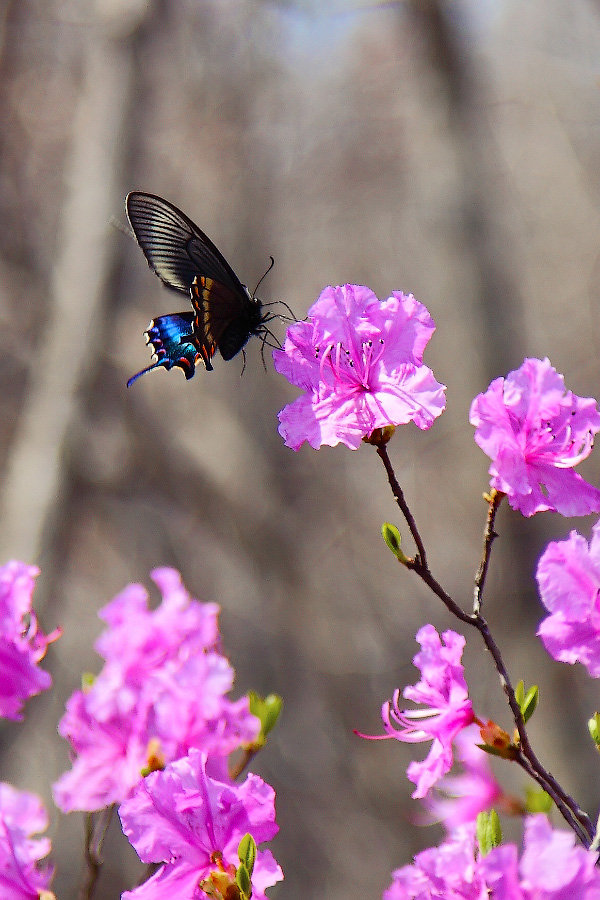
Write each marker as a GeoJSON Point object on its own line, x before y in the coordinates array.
{"type": "Point", "coordinates": [224, 314]}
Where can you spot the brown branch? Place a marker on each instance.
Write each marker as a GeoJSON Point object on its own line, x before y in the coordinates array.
{"type": "Point", "coordinates": [576, 818]}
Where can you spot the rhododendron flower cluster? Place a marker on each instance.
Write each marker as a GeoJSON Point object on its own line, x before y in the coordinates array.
{"type": "Point", "coordinates": [22, 646]}
{"type": "Point", "coordinates": [552, 867]}
{"type": "Point", "coordinates": [22, 815]}
{"type": "Point", "coordinates": [161, 692]}
{"type": "Point", "coordinates": [193, 824]}
{"type": "Point", "coordinates": [535, 432]}
{"type": "Point", "coordinates": [360, 362]}
{"type": "Point", "coordinates": [568, 576]}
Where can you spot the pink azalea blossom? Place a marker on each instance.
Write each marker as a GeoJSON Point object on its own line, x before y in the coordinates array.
{"type": "Point", "coordinates": [193, 824]}
{"type": "Point", "coordinates": [161, 691]}
{"type": "Point", "coordinates": [22, 815]}
{"type": "Point", "coordinates": [552, 867]}
{"type": "Point", "coordinates": [360, 362]}
{"type": "Point", "coordinates": [444, 692]}
{"type": "Point", "coordinates": [438, 873]}
{"type": "Point", "coordinates": [535, 432]}
{"type": "Point", "coordinates": [458, 799]}
{"type": "Point", "coordinates": [22, 646]}
{"type": "Point", "coordinates": [568, 576]}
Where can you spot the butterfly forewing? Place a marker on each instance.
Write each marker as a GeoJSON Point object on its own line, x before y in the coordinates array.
{"type": "Point", "coordinates": [176, 249]}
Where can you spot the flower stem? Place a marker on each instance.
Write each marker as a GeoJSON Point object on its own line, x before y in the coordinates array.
{"type": "Point", "coordinates": [400, 500]}
{"type": "Point", "coordinates": [95, 832]}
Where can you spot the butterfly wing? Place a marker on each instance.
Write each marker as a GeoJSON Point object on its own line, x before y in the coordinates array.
{"type": "Point", "coordinates": [224, 318]}
{"type": "Point", "coordinates": [173, 343]}
{"type": "Point", "coordinates": [176, 249]}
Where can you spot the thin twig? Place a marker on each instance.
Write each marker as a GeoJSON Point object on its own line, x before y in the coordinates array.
{"type": "Point", "coordinates": [489, 537]}
{"type": "Point", "coordinates": [399, 495]}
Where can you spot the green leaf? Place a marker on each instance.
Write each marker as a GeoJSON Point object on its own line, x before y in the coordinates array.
{"type": "Point", "coordinates": [537, 801]}
{"type": "Point", "coordinates": [247, 852]}
{"type": "Point", "coordinates": [527, 701]}
{"type": "Point", "coordinates": [243, 881]}
{"type": "Point", "coordinates": [520, 693]}
{"type": "Point", "coordinates": [530, 702]}
{"type": "Point", "coordinates": [489, 833]}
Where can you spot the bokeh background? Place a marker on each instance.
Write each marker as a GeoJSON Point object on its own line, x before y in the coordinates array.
{"type": "Point", "coordinates": [449, 149]}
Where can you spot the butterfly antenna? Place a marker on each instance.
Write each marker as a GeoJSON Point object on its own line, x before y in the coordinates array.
{"type": "Point", "coordinates": [262, 278]}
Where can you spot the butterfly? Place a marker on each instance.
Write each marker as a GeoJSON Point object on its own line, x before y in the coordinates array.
{"type": "Point", "coordinates": [224, 314]}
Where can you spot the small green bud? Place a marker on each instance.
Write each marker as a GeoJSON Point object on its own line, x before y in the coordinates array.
{"type": "Point", "coordinates": [489, 833]}
{"type": "Point", "coordinates": [267, 709]}
{"type": "Point", "coordinates": [594, 729]}
{"type": "Point", "coordinates": [393, 539]}
{"type": "Point", "coordinates": [87, 681]}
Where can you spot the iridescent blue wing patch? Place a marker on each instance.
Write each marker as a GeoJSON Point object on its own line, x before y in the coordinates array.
{"type": "Point", "coordinates": [173, 344]}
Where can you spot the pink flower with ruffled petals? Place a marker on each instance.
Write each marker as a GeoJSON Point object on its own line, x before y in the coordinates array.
{"type": "Point", "coordinates": [360, 362]}
{"type": "Point", "coordinates": [552, 867]}
{"type": "Point", "coordinates": [22, 646]}
{"type": "Point", "coordinates": [22, 815]}
{"type": "Point", "coordinates": [443, 691]}
{"type": "Point", "coordinates": [568, 576]}
{"type": "Point", "coordinates": [193, 825]}
{"type": "Point", "coordinates": [161, 692]}
{"type": "Point", "coordinates": [535, 432]}
{"type": "Point", "coordinates": [440, 873]}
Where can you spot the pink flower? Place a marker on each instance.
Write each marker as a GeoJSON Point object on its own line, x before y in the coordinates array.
{"type": "Point", "coordinates": [447, 871]}
{"type": "Point", "coordinates": [359, 361]}
{"type": "Point", "coordinates": [443, 690]}
{"type": "Point", "coordinates": [193, 824]}
{"type": "Point", "coordinates": [552, 867]}
{"type": "Point", "coordinates": [162, 691]}
{"type": "Point", "coordinates": [458, 799]}
{"type": "Point", "coordinates": [535, 432]}
{"type": "Point", "coordinates": [568, 576]}
{"type": "Point", "coordinates": [22, 646]}
{"type": "Point", "coordinates": [22, 815]}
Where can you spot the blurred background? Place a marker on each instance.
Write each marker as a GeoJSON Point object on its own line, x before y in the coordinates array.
{"type": "Point", "coordinates": [449, 149]}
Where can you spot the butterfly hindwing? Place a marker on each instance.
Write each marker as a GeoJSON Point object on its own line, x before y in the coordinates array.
{"type": "Point", "coordinates": [222, 318]}
{"type": "Point", "coordinates": [173, 344]}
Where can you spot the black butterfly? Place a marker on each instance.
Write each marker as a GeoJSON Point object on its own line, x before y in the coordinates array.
{"type": "Point", "coordinates": [224, 314]}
